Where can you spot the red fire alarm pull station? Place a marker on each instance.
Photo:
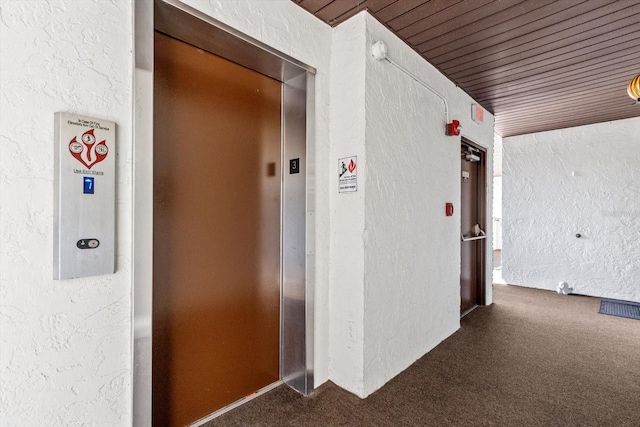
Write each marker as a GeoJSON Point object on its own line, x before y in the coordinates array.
{"type": "Point", "coordinates": [449, 209]}
{"type": "Point", "coordinates": [453, 128]}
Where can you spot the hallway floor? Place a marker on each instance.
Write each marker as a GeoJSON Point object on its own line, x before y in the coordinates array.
{"type": "Point", "coordinates": [533, 358]}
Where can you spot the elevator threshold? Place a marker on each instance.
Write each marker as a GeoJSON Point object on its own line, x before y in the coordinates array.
{"type": "Point", "coordinates": [468, 311]}
{"type": "Point", "coordinates": [235, 404]}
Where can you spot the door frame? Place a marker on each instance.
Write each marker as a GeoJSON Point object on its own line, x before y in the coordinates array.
{"type": "Point", "coordinates": [481, 293]}
{"type": "Point", "coordinates": [297, 220]}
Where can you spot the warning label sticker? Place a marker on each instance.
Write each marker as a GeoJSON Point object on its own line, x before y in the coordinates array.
{"type": "Point", "coordinates": [348, 174]}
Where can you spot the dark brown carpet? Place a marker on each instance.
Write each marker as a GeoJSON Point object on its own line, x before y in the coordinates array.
{"type": "Point", "coordinates": [534, 358]}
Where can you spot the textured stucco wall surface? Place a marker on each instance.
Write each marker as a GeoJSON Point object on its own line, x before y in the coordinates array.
{"type": "Point", "coordinates": [64, 345]}
{"type": "Point", "coordinates": [397, 267]}
{"type": "Point", "coordinates": [412, 255]}
{"type": "Point", "coordinates": [347, 209]}
{"type": "Point", "coordinates": [497, 212]}
{"type": "Point", "coordinates": [497, 192]}
{"type": "Point", "coordinates": [580, 180]}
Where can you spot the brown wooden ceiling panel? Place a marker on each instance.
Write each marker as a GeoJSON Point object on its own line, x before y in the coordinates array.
{"type": "Point", "coordinates": [435, 11]}
{"type": "Point", "coordinates": [581, 98]}
{"type": "Point", "coordinates": [549, 84]}
{"type": "Point", "coordinates": [561, 122]}
{"type": "Point", "coordinates": [551, 67]}
{"type": "Point", "coordinates": [508, 34]}
{"type": "Point", "coordinates": [397, 8]}
{"type": "Point", "coordinates": [314, 5]}
{"type": "Point", "coordinates": [546, 46]}
{"type": "Point", "coordinates": [540, 96]}
{"type": "Point", "coordinates": [576, 106]}
{"type": "Point", "coordinates": [514, 32]}
{"type": "Point", "coordinates": [523, 65]}
{"type": "Point", "coordinates": [344, 9]}
{"type": "Point", "coordinates": [504, 20]}
{"type": "Point", "coordinates": [535, 64]}
{"type": "Point", "coordinates": [577, 98]}
{"type": "Point", "coordinates": [467, 13]}
{"type": "Point", "coordinates": [337, 8]}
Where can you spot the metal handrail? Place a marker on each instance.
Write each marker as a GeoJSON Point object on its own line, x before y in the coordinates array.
{"type": "Point", "coordinates": [468, 239]}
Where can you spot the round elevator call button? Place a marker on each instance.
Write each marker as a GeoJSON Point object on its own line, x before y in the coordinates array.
{"type": "Point", "coordinates": [88, 243]}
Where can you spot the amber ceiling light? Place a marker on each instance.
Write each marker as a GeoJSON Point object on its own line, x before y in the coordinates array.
{"type": "Point", "coordinates": [634, 88]}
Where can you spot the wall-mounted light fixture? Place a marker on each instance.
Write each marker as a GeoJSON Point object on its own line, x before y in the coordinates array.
{"type": "Point", "coordinates": [634, 89]}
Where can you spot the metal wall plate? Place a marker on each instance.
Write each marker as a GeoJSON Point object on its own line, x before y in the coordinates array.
{"type": "Point", "coordinates": [84, 196]}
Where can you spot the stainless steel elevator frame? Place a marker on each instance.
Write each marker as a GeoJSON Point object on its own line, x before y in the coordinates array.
{"type": "Point", "coordinates": [298, 226]}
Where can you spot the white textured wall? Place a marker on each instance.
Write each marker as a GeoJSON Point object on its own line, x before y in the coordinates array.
{"type": "Point", "coordinates": [64, 345]}
{"type": "Point", "coordinates": [497, 212]}
{"type": "Point", "coordinates": [409, 288]}
{"type": "Point", "coordinates": [580, 180]}
{"type": "Point", "coordinates": [347, 209]}
{"type": "Point", "coordinates": [412, 256]}
{"type": "Point", "coordinates": [497, 191]}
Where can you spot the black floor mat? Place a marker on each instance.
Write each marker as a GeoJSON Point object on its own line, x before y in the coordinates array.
{"type": "Point", "coordinates": [612, 307]}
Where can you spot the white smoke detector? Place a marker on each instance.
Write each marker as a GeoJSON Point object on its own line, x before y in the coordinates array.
{"type": "Point", "coordinates": [379, 50]}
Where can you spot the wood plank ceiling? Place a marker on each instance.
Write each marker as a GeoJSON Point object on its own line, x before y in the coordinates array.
{"type": "Point", "coordinates": [535, 64]}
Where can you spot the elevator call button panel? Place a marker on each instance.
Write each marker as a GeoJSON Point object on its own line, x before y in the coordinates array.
{"type": "Point", "coordinates": [84, 196]}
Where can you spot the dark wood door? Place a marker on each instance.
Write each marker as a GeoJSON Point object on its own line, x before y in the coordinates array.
{"type": "Point", "coordinates": [217, 182]}
{"type": "Point", "coordinates": [471, 251]}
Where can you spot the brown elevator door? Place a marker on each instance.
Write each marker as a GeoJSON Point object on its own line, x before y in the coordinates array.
{"type": "Point", "coordinates": [216, 238]}
{"type": "Point", "coordinates": [471, 250]}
